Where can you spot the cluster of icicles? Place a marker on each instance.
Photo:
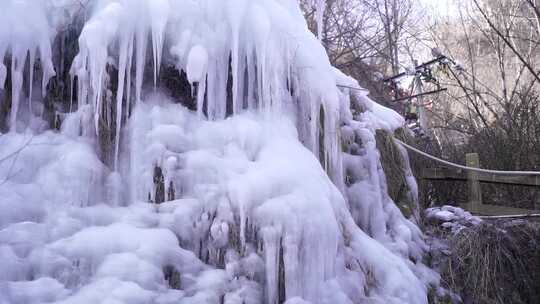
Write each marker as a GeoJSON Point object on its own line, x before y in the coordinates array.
{"type": "Point", "coordinates": [263, 46]}
{"type": "Point", "coordinates": [24, 39]}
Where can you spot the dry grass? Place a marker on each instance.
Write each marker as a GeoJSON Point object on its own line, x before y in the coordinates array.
{"type": "Point", "coordinates": [496, 263]}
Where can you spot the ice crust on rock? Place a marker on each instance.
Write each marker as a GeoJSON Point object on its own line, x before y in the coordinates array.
{"type": "Point", "coordinates": [262, 206]}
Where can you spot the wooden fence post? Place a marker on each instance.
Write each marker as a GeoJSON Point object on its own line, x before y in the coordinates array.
{"type": "Point", "coordinates": [475, 193]}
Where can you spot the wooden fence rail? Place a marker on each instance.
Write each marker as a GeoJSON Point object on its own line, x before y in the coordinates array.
{"type": "Point", "coordinates": [461, 175]}
{"type": "Point", "coordinates": [473, 175]}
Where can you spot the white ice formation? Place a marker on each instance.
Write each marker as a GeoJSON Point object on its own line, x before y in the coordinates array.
{"type": "Point", "coordinates": [250, 216]}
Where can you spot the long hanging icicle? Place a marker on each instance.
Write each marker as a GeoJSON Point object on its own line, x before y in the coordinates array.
{"type": "Point", "coordinates": [235, 12]}
{"type": "Point", "coordinates": [320, 9]}
{"type": "Point", "coordinates": [196, 70]}
{"type": "Point", "coordinates": [32, 58]}
{"type": "Point", "coordinates": [141, 41]}
{"type": "Point", "coordinates": [159, 14]}
{"type": "Point", "coordinates": [128, 78]}
{"type": "Point", "coordinates": [17, 65]}
{"type": "Point", "coordinates": [122, 62]}
{"type": "Point", "coordinates": [129, 23]}
{"type": "Point", "coordinates": [262, 32]}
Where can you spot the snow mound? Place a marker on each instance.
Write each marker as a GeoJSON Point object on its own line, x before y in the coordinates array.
{"type": "Point", "coordinates": [378, 116]}
{"type": "Point", "coordinates": [451, 218]}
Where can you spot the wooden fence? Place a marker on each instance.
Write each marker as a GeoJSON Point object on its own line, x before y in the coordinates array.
{"type": "Point", "coordinates": [473, 175]}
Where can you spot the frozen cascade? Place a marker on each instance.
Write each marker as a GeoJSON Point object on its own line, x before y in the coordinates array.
{"type": "Point", "coordinates": [259, 34]}
{"type": "Point", "coordinates": [125, 25]}
{"type": "Point", "coordinates": [260, 207]}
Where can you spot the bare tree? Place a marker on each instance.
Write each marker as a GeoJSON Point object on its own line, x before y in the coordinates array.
{"type": "Point", "coordinates": [492, 105]}
{"type": "Point", "coordinates": [366, 38]}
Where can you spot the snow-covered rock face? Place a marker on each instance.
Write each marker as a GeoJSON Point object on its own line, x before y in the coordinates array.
{"type": "Point", "coordinates": [247, 213]}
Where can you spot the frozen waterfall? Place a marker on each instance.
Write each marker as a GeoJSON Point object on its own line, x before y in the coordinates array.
{"type": "Point", "coordinates": [269, 191]}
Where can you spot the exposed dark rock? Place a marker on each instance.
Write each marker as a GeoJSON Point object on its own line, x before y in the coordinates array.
{"type": "Point", "coordinates": [172, 276]}
{"type": "Point", "coordinates": [159, 185]}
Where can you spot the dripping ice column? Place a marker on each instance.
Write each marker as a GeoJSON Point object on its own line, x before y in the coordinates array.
{"type": "Point", "coordinates": [159, 14]}
{"type": "Point", "coordinates": [235, 10]}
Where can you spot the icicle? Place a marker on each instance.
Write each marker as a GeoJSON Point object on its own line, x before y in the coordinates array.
{"type": "Point", "coordinates": [314, 128]}
{"type": "Point", "coordinates": [128, 79]}
{"type": "Point", "coordinates": [76, 70]}
{"type": "Point", "coordinates": [97, 83]}
{"type": "Point", "coordinates": [242, 211]}
{"type": "Point", "coordinates": [122, 62]}
{"type": "Point", "coordinates": [223, 81]}
{"type": "Point", "coordinates": [196, 67]}
{"type": "Point", "coordinates": [3, 69]}
{"type": "Point", "coordinates": [98, 33]}
{"type": "Point", "coordinates": [261, 28]}
{"type": "Point", "coordinates": [235, 10]}
{"type": "Point", "coordinates": [200, 96]}
{"type": "Point", "coordinates": [212, 88]}
{"type": "Point", "coordinates": [71, 83]}
{"type": "Point", "coordinates": [240, 90]}
{"type": "Point", "coordinates": [17, 66]}
{"type": "Point", "coordinates": [321, 7]}
{"type": "Point", "coordinates": [45, 56]}
{"type": "Point", "coordinates": [140, 53]}
{"type": "Point", "coordinates": [290, 258]}
{"type": "Point", "coordinates": [3, 74]}
{"type": "Point", "coordinates": [31, 79]}
{"type": "Point", "coordinates": [252, 79]}
{"type": "Point", "coordinates": [217, 85]}
{"type": "Point", "coordinates": [271, 237]}
{"type": "Point", "coordinates": [234, 68]}
{"type": "Point", "coordinates": [82, 83]}
{"type": "Point", "coordinates": [159, 14]}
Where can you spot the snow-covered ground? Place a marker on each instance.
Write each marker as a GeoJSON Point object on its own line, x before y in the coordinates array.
{"type": "Point", "coordinates": [250, 215]}
{"type": "Point", "coordinates": [450, 218]}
